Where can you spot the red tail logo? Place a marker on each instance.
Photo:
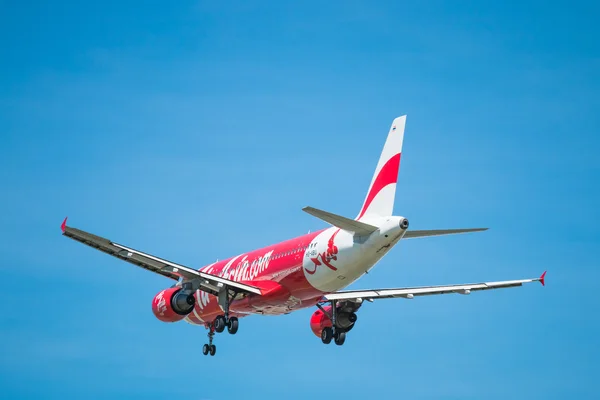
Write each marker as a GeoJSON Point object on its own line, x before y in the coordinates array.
{"type": "Point", "coordinates": [387, 176]}
{"type": "Point", "coordinates": [326, 257]}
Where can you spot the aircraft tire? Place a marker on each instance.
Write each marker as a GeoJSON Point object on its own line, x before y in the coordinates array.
{"type": "Point", "coordinates": [205, 349]}
{"type": "Point", "coordinates": [340, 338]}
{"type": "Point", "coordinates": [326, 335]}
{"type": "Point", "coordinates": [232, 325]}
{"type": "Point", "coordinates": [219, 324]}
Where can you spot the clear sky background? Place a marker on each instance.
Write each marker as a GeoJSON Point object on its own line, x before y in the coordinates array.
{"type": "Point", "coordinates": [199, 129]}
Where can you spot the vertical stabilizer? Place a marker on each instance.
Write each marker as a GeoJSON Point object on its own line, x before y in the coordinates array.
{"type": "Point", "coordinates": [381, 194]}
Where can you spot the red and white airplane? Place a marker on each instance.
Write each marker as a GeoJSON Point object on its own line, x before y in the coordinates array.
{"type": "Point", "coordinates": [305, 271]}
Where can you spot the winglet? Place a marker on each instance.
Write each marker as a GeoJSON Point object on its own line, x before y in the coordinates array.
{"type": "Point", "coordinates": [63, 225]}
{"type": "Point", "coordinates": [542, 278]}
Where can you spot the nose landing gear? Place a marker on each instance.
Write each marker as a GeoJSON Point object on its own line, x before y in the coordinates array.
{"type": "Point", "coordinates": [210, 348]}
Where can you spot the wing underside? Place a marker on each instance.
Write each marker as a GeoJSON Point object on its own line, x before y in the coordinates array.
{"type": "Point", "coordinates": [409, 293]}
{"type": "Point", "coordinates": [207, 282]}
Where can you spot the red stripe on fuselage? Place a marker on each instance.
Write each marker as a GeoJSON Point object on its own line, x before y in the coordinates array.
{"type": "Point", "coordinates": [387, 176]}
{"type": "Point", "coordinates": [285, 267]}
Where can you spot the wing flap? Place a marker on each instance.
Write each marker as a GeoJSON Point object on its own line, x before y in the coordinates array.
{"type": "Point", "coordinates": [409, 293]}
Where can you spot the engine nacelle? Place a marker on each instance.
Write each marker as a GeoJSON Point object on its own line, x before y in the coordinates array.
{"type": "Point", "coordinates": [319, 321]}
{"type": "Point", "coordinates": [173, 304]}
{"type": "Point", "coordinates": [345, 318]}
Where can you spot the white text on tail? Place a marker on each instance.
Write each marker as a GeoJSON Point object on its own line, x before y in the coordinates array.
{"type": "Point", "coordinates": [380, 197]}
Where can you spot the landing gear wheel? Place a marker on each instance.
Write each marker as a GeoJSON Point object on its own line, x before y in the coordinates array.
{"type": "Point", "coordinates": [212, 349]}
{"type": "Point", "coordinates": [232, 325]}
{"type": "Point", "coordinates": [205, 349]}
{"type": "Point", "coordinates": [340, 338]}
{"type": "Point", "coordinates": [220, 324]}
{"type": "Point", "coordinates": [326, 335]}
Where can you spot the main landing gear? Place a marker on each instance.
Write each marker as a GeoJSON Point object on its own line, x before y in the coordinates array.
{"type": "Point", "coordinates": [342, 318]}
{"type": "Point", "coordinates": [220, 323]}
{"type": "Point", "coordinates": [338, 336]}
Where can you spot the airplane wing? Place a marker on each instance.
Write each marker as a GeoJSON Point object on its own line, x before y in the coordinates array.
{"type": "Point", "coordinates": [439, 232]}
{"type": "Point", "coordinates": [409, 293]}
{"type": "Point", "coordinates": [209, 283]}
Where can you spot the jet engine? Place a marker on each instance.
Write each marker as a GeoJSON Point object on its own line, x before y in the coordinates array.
{"type": "Point", "coordinates": [173, 304]}
{"type": "Point", "coordinates": [345, 317]}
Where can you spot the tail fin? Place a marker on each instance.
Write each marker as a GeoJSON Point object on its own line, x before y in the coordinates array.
{"type": "Point", "coordinates": [380, 197]}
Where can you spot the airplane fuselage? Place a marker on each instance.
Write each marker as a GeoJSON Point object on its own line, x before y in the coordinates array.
{"type": "Point", "coordinates": [298, 271]}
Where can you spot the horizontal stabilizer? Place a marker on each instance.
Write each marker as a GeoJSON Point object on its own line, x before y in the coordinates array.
{"type": "Point", "coordinates": [347, 224]}
{"type": "Point", "coordinates": [439, 232]}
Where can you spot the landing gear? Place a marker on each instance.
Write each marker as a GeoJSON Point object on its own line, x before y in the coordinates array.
{"type": "Point", "coordinates": [339, 338]}
{"type": "Point", "coordinates": [326, 335]}
{"type": "Point", "coordinates": [220, 323]}
{"type": "Point", "coordinates": [210, 348]}
{"type": "Point", "coordinates": [343, 317]}
{"type": "Point", "coordinates": [225, 321]}
{"type": "Point", "coordinates": [232, 325]}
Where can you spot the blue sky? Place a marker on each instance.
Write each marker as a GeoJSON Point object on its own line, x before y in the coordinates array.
{"type": "Point", "coordinates": [199, 130]}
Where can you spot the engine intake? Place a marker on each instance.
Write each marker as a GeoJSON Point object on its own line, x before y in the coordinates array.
{"type": "Point", "coordinates": [173, 304]}
{"type": "Point", "coordinates": [183, 303]}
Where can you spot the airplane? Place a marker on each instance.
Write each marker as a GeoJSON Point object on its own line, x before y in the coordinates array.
{"type": "Point", "coordinates": [307, 271]}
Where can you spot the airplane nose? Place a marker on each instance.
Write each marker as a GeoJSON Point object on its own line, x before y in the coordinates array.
{"type": "Point", "coordinates": [404, 223]}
